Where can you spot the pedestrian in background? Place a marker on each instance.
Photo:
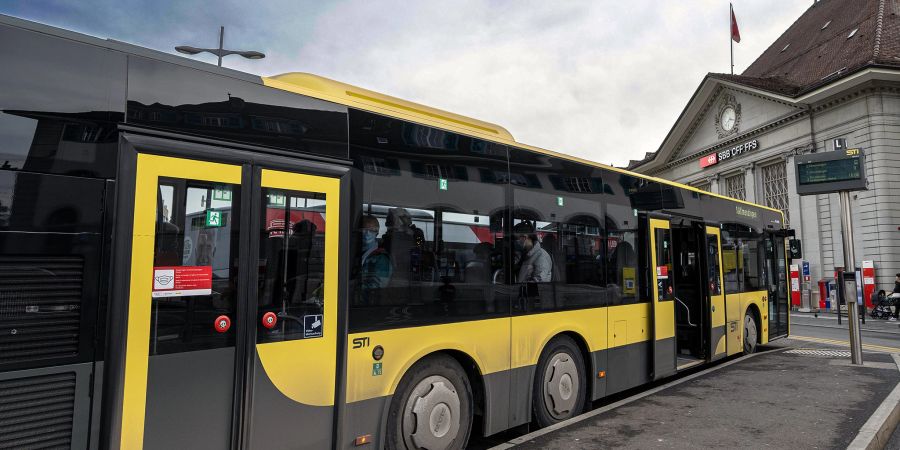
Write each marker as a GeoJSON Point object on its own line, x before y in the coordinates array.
{"type": "Point", "coordinates": [896, 297]}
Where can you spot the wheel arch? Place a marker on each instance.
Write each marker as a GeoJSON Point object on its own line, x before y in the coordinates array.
{"type": "Point", "coordinates": [472, 371]}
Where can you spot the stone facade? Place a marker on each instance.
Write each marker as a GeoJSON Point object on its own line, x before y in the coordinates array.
{"type": "Point", "coordinates": [866, 115]}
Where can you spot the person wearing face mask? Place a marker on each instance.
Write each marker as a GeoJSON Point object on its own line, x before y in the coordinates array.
{"type": "Point", "coordinates": [375, 267]}
{"type": "Point", "coordinates": [536, 264]}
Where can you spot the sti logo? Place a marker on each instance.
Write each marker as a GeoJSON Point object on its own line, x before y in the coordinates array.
{"type": "Point", "coordinates": [709, 160]}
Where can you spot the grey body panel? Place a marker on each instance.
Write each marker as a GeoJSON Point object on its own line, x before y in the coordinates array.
{"type": "Point", "coordinates": [82, 401]}
{"type": "Point", "coordinates": [365, 417]}
{"type": "Point", "coordinates": [278, 422]}
{"type": "Point", "coordinates": [96, 406]}
{"type": "Point", "coordinates": [497, 401]}
{"type": "Point", "coordinates": [715, 334]}
{"type": "Point", "coordinates": [189, 400]}
{"type": "Point", "coordinates": [520, 389]}
{"type": "Point", "coordinates": [664, 358]}
{"type": "Point", "coordinates": [629, 366]}
{"type": "Point", "coordinates": [599, 362]}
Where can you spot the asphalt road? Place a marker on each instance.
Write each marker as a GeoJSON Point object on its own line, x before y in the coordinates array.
{"type": "Point", "coordinates": [807, 330]}
{"type": "Point", "coordinates": [877, 334]}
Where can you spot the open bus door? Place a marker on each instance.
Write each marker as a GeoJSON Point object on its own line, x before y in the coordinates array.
{"type": "Point", "coordinates": [777, 282]}
{"type": "Point", "coordinates": [663, 305]}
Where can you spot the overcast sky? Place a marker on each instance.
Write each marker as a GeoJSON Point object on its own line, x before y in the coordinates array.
{"type": "Point", "coordinates": [604, 80]}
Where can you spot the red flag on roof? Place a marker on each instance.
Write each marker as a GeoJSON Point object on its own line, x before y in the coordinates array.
{"type": "Point", "coordinates": [735, 33]}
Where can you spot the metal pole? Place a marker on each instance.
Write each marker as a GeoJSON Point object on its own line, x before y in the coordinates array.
{"type": "Point", "coordinates": [221, 43]}
{"type": "Point", "coordinates": [731, 36]}
{"type": "Point", "coordinates": [849, 265]}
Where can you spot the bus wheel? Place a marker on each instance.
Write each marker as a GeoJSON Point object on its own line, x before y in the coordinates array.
{"type": "Point", "coordinates": [432, 407]}
{"type": "Point", "coordinates": [750, 333]}
{"type": "Point", "coordinates": [559, 382]}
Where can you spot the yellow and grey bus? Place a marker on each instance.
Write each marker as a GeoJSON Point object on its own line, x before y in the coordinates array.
{"type": "Point", "coordinates": [195, 257]}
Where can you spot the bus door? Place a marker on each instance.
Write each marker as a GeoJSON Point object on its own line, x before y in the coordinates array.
{"type": "Point", "coordinates": [717, 341]}
{"type": "Point", "coordinates": [199, 351]}
{"type": "Point", "coordinates": [777, 283]}
{"type": "Point", "coordinates": [663, 309]}
{"type": "Point", "coordinates": [293, 373]}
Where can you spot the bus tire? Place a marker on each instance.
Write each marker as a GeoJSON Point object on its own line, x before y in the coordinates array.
{"type": "Point", "coordinates": [751, 332]}
{"type": "Point", "coordinates": [436, 394]}
{"type": "Point", "coordinates": [559, 383]}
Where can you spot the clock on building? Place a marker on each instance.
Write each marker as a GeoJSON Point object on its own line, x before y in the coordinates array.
{"type": "Point", "coordinates": [728, 118]}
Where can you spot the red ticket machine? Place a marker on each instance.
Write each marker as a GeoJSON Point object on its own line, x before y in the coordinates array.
{"type": "Point", "coordinates": [795, 285]}
{"type": "Point", "coordinates": [868, 279]}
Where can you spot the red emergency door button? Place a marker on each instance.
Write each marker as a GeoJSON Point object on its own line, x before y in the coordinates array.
{"type": "Point", "coordinates": [269, 320]}
{"type": "Point", "coordinates": [223, 323]}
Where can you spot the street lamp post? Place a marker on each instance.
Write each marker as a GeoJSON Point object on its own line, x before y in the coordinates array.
{"type": "Point", "coordinates": [220, 52]}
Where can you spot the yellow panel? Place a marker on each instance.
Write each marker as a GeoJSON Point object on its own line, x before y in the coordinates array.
{"type": "Point", "coordinates": [280, 359]}
{"type": "Point", "coordinates": [620, 333]}
{"type": "Point", "coordinates": [530, 333]}
{"type": "Point", "coordinates": [149, 169]}
{"type": "Point", "coordinates": [485, 341]}
{"type": "Point", "coordinates": [734, 327]}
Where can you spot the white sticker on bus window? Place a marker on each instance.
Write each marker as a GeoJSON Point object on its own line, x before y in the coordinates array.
{"type": "Point", "coordinates": [662, 272]}
{"type": "Point", "coordinates": [180, 281]}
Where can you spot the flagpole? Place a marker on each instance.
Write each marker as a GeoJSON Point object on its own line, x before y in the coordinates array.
{"type": "Point", "coordinates": [730, 35]}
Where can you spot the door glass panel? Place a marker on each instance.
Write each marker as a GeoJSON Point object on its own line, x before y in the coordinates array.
{"type": "Point", "coordinates": [712, 251]}
{"type": "Point", "coordinates": [777, 285]}
{"type": "Point", "coordinates": [291, 266]}
{"type": "Point", "coordinates": [195, 266]}
{"type": "Point", "coordinates": [664, 264]}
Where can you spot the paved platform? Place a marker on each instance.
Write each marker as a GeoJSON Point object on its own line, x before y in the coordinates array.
{"type": "Point", "coordinates": [792, 395]}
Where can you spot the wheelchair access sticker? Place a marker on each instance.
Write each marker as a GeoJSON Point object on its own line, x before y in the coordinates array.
{"type": "Point", "coordinates": [312, 326]}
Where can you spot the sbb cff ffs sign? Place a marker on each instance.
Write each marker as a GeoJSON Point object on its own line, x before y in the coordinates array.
{"type": "Point", "coordinates": [714, 158]}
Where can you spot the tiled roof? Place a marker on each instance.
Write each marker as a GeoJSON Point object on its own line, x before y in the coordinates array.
{"type": "Point", "coordinates": [832, 39]}
{"type": "Point", "coordinates": [809, 53]}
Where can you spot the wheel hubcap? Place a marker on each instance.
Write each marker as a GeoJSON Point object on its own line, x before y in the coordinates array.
{"type": "Point", "coordinates": [561, 388]}
{"type": "Point", "coordinates": [431, 416]}
{"type": "Point", "coordinates": [749, 332]}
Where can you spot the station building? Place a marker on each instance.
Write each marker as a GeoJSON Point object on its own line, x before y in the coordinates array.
{"type": "Point", "coordinates": [832, 79]}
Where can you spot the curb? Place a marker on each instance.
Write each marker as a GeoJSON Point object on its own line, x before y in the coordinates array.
{"type": "Point", "coordinates": [877, 431]}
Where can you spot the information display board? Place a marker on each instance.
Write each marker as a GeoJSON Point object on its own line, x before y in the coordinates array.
{"type": "Point", "coordinates": [823, 173]}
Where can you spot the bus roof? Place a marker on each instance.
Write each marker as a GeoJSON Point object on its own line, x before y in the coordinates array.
{"type": "Point", "coordinates": [357, 97]}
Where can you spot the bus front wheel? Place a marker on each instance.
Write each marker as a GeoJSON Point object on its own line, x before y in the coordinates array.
{"type": "Point", "coordinates": [432, 407]}
{"type": "Point", "coordinates": [559, 382]}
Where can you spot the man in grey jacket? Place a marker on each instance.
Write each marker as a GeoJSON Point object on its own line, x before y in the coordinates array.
{"type": "Point", "coordinates": [537, 266]}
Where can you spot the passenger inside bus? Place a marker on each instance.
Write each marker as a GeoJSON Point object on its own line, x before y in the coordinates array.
{"type": "Point", "coordinates": [375, 264]}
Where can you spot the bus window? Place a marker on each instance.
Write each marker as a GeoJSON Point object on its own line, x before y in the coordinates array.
{"type": "Point", "coordinates": [197, 233]}
{"type": "Point", "coordinates": [292, 264]}
{"type": "Point", "coordinates": [754, 277]}
{"type": "Point", "coordinates": [732, 261]}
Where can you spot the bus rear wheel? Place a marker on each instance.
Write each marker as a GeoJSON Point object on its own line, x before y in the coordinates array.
{"type": "Point", "coordinates": [751, 333]}
{"type": "Point", "coordinates": [432, 407]}
{"type": "Point", "coordinates": [559, 382]}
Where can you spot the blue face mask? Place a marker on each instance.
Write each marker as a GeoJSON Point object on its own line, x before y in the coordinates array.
{"type": "Point", "coordinates": [369, 239]}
